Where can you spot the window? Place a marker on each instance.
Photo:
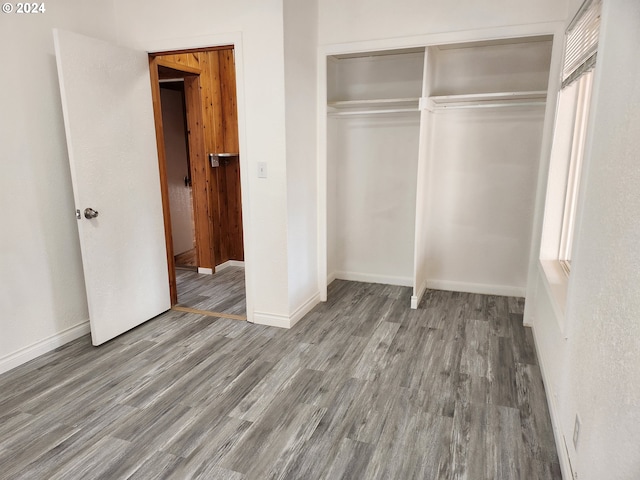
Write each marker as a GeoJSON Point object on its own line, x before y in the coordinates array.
{"type": "Point", "coordinates": [572, 115]}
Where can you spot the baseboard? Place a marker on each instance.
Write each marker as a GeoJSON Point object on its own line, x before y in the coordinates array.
{"type": "Point", "coordinates": [272, 319]}
{"type": "Point", "coordinates": [287, 321]}
{"type": "Point", "coordinates": [229, 263]}
{"type": "Point", "coordinates": [206, 271]}
{"type": "Point", "coordinates": [563, 455]}
{"type": "Point", "coordinates": [331, 277]}
{"type": "Point", "coordinates": [415, 299]}
{"type": "Point", "coordinates": [373, 278]}
{"type": "Point", "coordinates": [480, 288]}
{"type": "Point", "coordinates": [41, 347]}
{"type": "Point", "coordinates": [305, 308]}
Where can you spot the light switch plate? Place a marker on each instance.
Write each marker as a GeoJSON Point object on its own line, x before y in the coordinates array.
{"type": "Point", "coordinates": [262, 169]}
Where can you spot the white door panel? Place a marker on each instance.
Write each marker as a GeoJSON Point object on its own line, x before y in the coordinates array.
{"type": "Point", "coordinates": [108, 115]}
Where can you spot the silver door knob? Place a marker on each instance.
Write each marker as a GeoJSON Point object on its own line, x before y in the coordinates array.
{"type": "Point", "coordinates": [90, 213]}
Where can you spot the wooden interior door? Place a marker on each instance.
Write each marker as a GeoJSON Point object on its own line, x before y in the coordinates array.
{"type": "Point", "coordinates": [108, 116]}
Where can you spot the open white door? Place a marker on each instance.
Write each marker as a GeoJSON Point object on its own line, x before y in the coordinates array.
{"type": "Point", "coordinates": [108, 116]}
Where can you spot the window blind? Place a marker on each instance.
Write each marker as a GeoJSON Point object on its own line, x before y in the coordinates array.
{"type": "Point", "coordinates": [582, 41]}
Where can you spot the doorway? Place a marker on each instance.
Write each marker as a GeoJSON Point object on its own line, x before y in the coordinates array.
{"type": "Point", "coordinates": [197, 136]}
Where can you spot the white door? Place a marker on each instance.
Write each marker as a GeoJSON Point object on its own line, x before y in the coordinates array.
{"type": "Point", "coordinates": [108, 116]}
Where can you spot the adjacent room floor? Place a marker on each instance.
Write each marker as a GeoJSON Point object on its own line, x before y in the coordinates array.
{"type": "Point", "coordinates": [222, 292]}
{"type": "Point", "coordinates": [362, 388]}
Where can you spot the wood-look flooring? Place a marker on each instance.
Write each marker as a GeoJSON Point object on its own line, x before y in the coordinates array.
{"type": "Point", "coordinates": [222, 292]}
{"type": "Point", "coordinates": [361, 388]}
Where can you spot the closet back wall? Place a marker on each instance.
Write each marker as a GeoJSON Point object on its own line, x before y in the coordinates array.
{"type": "Point", "coordinates": [371, 224]}
{"type": "Point", "coordinates": [484, 181]}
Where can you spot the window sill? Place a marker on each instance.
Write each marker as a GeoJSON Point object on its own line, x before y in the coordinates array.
{"type": "Point", "coordinates": [556, 282]}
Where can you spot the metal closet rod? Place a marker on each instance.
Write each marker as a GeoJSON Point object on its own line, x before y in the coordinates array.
{"type": "Point", "coordinates": [375, 112]}
{"type": "Point", "coordinates": [487, 105]}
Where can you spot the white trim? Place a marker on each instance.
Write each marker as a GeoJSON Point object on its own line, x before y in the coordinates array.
{"type": "Point", "coordinates": [286, 321]}
{"type": "Point", "coordinates": [206, 271]}
{"type": "Point", "coordinates": [299, 313]}
{"type": "Point", "coordinates": [556, 283]}
{"type": "Point", "coordinates": [554, 413]}
{"type": "Point", "coordinates": [229, 263]}
{"type": "Point", "coordinates": [272, 320]}
{"type": "Point", "coordinates": [415, 299]}
{"type": "Point", "coordinates": [332, 276]}
{"type": "Point", "coordinates": [321, 175]}
{"type": "Point", "coordinates": [226, 38]}
{"type": "Point", "coordinates": [480, 288]}
{"type": "Point", "coordinates": [41, 347]}
{"type": "Point", "coordinates": [374, 278]}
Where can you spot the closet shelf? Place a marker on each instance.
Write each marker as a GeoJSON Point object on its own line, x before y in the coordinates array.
{"type": "Point", "coordinates": [373, 106]}
{"type": "Point", "coordinates": [499, 99]}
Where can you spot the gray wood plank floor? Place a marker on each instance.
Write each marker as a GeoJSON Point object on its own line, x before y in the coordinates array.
{"type": "Point", "coordinates": [361, 388]}
{"type": "Point", "coordinates": [222, 292]}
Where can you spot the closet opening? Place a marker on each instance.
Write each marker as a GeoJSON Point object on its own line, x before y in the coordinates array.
{"type": "Point", "coordinates": [432, 158]}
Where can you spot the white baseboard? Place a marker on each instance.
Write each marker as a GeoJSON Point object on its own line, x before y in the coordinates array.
{"type": "Point", "coordinates": [563, 455]}
{"type": "Point", "coordinates": [481, 288]}
{"type": "Point", "coordinates": [374, 278]}
{"type": "Point", "coordinates": [229, 263]}
{"type": "Point", "coordinates": [305, 308]}
{"type": "Point", "coordinates": [415, 299]}
{"type": "Point", "coordinates": [286, 321]}
{"type": "Point", "coordinates": [206, 271]}
{"type": "Point", "coordinates": [272, 319]}
{"type": "Point", "coordinates": [331, 277]}
{"type": "Point", "coordinates": [41, 347]}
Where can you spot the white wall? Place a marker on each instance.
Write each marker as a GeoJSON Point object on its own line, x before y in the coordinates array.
{"type": "Point", "coordinates": [166, 24]}
{"type": "Point", "coordinates": [595, 371]}
{"type": "Point", "coordinates": [359, 20]}
{"type": "Point", "coordinates": [182, 229]}
{"type": "Point", "coordinates": [371, 222]}
{"type": "Point", "coordinates": [300, 50]}
{"type": "Point", "coordinates": [42, 299]}
{"type": "Point", "coordinates": [482, 195]}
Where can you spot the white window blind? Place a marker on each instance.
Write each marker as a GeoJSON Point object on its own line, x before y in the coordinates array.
{"type": "Point", "coordinates": [582, 41]}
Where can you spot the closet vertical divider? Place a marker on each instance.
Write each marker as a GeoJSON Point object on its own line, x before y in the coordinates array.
{"type": "Point", "coordinates": [420, 261]}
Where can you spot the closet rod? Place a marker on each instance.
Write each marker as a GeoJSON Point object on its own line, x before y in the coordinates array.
{"type": "Point", "coordinates": [488, 105]}
{"type": "Point", "coordinates": [374, 112]}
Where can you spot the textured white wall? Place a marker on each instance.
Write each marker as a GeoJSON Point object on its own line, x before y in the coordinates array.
{"type": "Point", "coordinates": [177, 168]}
{"type": "Point", "coordinates": [595, 371]}
{"type": "Point", "coordinates": [42, 292]}
{"type": "Point", "coordinates": [300, 46]}
{"type": "Point", "coordinates": [602, 380]}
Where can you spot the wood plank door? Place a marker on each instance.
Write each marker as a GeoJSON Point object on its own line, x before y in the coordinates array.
{"type": "Point", "coordinates": [108, 116]}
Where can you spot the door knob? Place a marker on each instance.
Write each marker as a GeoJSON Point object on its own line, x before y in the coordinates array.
{"type": "Point", "coordinates": [90, 213]}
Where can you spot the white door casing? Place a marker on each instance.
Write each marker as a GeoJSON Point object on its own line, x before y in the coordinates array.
{"type": "Point", "coordinates": [108, 116]}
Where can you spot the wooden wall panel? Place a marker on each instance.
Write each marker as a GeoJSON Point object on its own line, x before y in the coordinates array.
{"type": "Point", "coordinates": [200, 178]}
{"type": "Point", "coordinates": [213, 138]}
{"type": "Point", "coordinates": [217, 124]}
{"type": "Point", "coordinates": [233, 195]}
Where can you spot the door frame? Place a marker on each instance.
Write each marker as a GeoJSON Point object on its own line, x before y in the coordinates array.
{"type": "Point", "coordinates": [197, 164]}
{"type": "Point", "coordinates": [233, 39]}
